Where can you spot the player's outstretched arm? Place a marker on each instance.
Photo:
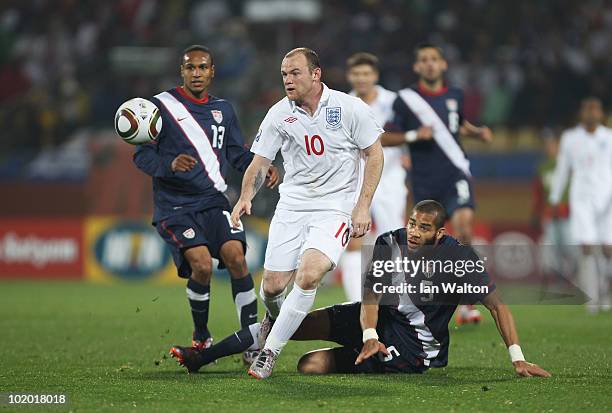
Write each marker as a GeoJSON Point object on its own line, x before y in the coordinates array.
{"type": "Point", "coordinates": [369, 320]}
{"type": "Point", "coordinates": [254, 177]}
{"type": "Point", "coordinates": [147, 159]}
{"type": "Point", "coordinates": [562, 172]}
{"type": "Point", "coordinates": [480, 132]}
{"type": "Point", "coordinates": [507, 329]}
{"type": "Point", "coordinates": [424, 133]}
{"type": "Point", "coordinates": [361, 219]}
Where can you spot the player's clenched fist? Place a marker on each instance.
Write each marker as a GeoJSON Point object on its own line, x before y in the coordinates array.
{"type": "Point", "coordinates": [526, 369]}
{"type": "Point", "coordinates": [361, 221]}
{"type": "Point", "coordinates": [242, 207]}
{"type": "Point", "coordinates": [370, 348]}
{"type": "Point", "coordinates": [183, 163]}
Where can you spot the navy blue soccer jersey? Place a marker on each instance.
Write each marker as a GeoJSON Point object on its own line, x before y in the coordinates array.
{"type": "Point", "coordinates": [431, 166]}
{"type": "Point", "coordinates": [214, 140]}
{"type": "Point", "coordinates": [418, 319]}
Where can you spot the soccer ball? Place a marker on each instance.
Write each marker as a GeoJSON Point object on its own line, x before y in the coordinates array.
{"type": "Point", "coordinates": [138, 121]}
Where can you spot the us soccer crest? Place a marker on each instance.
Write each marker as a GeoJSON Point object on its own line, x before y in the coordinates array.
{"type": "Point", "coordinates": [189, 233]}
{"type": "Point", "coordinates": [333, 116]}
{"type": "Point", "coordinates": [217, 115]}
{"type": "Point", "coordinates": [452, 105]}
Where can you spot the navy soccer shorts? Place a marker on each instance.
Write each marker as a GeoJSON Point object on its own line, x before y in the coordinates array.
{"type": "Point", "coordinates": [457, 194]}
{"type": "Point", "coordinates": [345, 329]}
{"type": "Point", "coordinates": [210, 227]}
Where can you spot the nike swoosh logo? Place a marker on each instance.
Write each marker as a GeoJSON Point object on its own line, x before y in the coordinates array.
{"type": "Point", "coordinates": [180, 119]}
{"type": "Point", "coordinates": [252, 315]}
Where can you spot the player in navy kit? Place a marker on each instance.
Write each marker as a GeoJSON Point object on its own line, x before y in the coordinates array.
{"type": "Point", "coordinates": [403, 333]}
{"type": "Point", "coordinates": [430, 117]}
{"type": "Point", "coordinates": [200, 138]}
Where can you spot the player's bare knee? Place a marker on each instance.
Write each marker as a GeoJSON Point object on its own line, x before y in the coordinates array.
{"type": "Point", "coordinates": [232, 254]}
{"type": "Point", "coordinates": [273, 284]}
{"type": "Point", "coordinates": [308, 280]}
{"type": "Point", "coordinates": [201, 270]}
{"type": "Point", "coordinates": [236, 265]}
{"type": "Point", "coordinates": [311, 363]}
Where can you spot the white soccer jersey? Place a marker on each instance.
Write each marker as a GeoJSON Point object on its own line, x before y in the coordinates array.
{"type": "Point", "coordinates": [389, 202]}
{"type": "Point", "coordinates": [321, 153]}
{"type": "Point", "coordinates": [382, 107]}
{"type": "Point", "coordinates": [588, 156]}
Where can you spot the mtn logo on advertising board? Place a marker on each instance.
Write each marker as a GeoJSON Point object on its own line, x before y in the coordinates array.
{"type": "Point", "coordinates": [130, 250]}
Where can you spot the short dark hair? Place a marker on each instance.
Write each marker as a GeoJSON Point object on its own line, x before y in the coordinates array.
{"type": "Point", "coordinates": [362, 58]}
{"type": "Point", "coordinates": [591, 98]}
{"type": "Point", "coordinates": [199, 48]}
{"type": "Point", "coordinates": [311, 56]}
{"type": "Point", "coordinates": [422, 46]}
{"type": "Point", "coordinates": [429, 206]}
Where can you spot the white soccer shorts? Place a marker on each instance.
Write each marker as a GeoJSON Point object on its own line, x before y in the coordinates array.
{"type": "Point", "coordinates": [389, 202]}
{"type": "Point", "coordinates": [589, 226]}
{"type": "Point", "coordinates": [291, 233]}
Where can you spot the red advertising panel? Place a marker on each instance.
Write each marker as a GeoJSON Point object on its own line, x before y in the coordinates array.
{"type": "Point", "coordinates": [41, 248]}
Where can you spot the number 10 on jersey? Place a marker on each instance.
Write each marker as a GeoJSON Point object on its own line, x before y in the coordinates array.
{"type": "Point", "coordinates": [314, 145]}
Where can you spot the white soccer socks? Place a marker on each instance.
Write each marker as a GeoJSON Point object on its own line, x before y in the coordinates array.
{"type": "Point", "coordinates": [295, 308]}
{"type": "Point", "coordinates": [588, 281]}
{"type": "Point", "coordinates": [273, 304]}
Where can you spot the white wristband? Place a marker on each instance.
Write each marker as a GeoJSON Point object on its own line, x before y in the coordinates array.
{"type": "Point", "coordinates": [410, 136]}
{"type": "Point", "coordinates": [369, 333]}
{"type": "Point", "coordinates": [515, 353]}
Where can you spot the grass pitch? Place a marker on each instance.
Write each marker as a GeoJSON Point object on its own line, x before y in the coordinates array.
{"type": "Point", "coordinates": [105, 348]}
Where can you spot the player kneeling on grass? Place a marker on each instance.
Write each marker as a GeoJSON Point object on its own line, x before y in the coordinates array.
{"type": "Point", "coordinates": [392, 332]}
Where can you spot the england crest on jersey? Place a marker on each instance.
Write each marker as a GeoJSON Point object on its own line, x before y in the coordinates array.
{"type": "Point", "coordinates": [217, 115]}
{"type": "Point", "coordinates": [333, 116]}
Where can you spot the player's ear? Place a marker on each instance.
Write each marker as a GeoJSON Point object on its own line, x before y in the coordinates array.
{"type": "Point", "coordinates": [212, 71]}
{"type": "Point", "coordinates": [316, 74]}
{"type": "Point", "coordinates": [440, 233]}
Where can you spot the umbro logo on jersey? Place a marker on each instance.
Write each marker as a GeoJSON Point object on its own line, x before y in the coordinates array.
{"type": "Point", "coordinates": [290, 119]}
{"type": "Point", "coordinates": [189, 233]}
{"type": "Point", "coordinates": [217, 115]}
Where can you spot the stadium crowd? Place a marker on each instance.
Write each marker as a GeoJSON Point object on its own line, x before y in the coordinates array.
{"type": "Point", "coordinates": [521, 62]}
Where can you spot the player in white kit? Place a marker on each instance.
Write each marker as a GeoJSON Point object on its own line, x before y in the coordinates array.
{"type": "Point", "coordinates": [389, 203]}
{"type": "Point", "coordinates": [325, 198]}
{"type": "Point", "coordinates": [586, 153]}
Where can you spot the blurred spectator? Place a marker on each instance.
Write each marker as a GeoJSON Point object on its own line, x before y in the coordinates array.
{"type": "Point", "coordinates": [520, 62]}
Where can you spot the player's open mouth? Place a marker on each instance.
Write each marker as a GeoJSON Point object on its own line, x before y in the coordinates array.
{"type": "Point", "coordinates": [413, 244]}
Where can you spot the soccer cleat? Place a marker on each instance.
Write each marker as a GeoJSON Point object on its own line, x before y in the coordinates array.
{"type": "Point", "coordinates": [264, 330]}
{"type": "Point", "coordinates": [249, 356]}
{"type": "Point", "coordinates": [201, 344]}
{"type": "Point", "coordinates": [467, 314]}
{"type": "Point", "coordinates": [187, 357]}
{"type": "Point", "coordinates": [263, 365]}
